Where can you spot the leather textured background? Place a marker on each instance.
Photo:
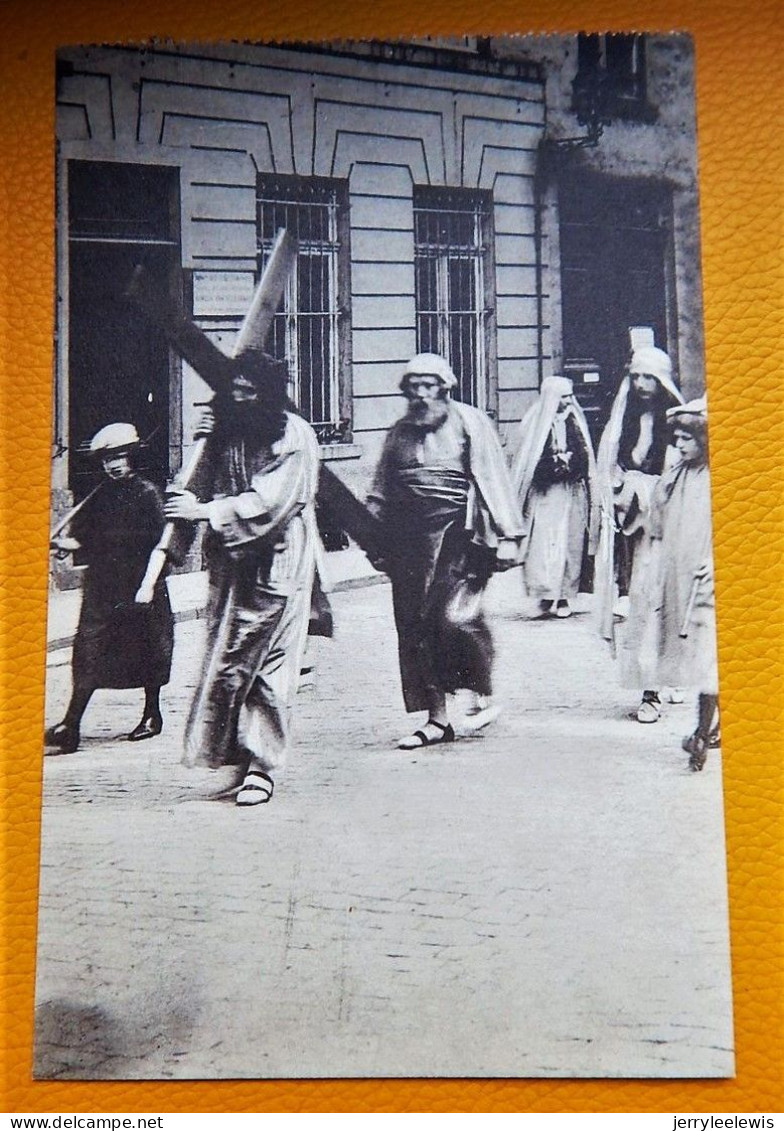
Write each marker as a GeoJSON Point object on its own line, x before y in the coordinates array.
{"type": "Point", "coordinates": [739, 52]}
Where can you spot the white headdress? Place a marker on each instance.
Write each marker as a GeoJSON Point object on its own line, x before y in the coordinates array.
{"type": "Point", "coordinates": [429, 365]}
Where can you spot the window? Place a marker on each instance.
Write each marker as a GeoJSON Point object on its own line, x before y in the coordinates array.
{"type": "Point", "coordinates": [109, 201]}
{"type": "Point", "coordinates": [452, 230]}
{"type": "Point", "coordinates": [610, 77]}
{"type": "Point", "coordinates": [310, 329]}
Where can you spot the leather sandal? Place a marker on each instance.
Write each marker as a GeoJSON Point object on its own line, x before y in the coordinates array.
{"type": "Point", "coordinates": [256, 788]}
{"type": "Point", "coordinates": [419, 738]}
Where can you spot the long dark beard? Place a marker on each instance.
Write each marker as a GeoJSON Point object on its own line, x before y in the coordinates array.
{"type": "Point", "coordinates": [658, 402]}
{"type": "Point", "coordinates": [254, 421]}
{"type": "Point", "coordinates": [427, 416]}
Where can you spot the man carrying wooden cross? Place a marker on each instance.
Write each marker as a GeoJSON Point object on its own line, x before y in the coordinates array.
{"type": "Point", "coordinates": [252, 480]}
{"type": "Point", "coordinates": [261, 546]}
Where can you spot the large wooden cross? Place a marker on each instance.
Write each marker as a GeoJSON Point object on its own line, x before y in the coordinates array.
{"type": "Point", "coordinates": [217, 369]}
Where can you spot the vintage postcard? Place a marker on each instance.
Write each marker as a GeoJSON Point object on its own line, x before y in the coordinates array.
{"type": "Point", "coordinates": [383, 731]}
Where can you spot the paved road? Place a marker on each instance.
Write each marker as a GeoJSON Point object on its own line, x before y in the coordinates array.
{"type": "Point", "coordinates": [547, 899]}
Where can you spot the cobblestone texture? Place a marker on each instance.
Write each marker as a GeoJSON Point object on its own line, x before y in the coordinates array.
{"type": "Point", "coordinates": [546, 899]}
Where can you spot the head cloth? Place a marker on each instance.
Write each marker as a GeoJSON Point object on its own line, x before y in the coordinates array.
{"type": "Point", "coordinates": [696, 410]}
{"type": "Point", "coordinates": [535, 428]}
{"type": "Point", "coordinates": [429, 365]}
{"type": "Point", "coordinates": [653, 361]}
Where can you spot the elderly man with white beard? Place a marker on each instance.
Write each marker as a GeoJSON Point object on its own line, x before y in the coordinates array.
{"type": "Point", "coordinates": [450, 518]}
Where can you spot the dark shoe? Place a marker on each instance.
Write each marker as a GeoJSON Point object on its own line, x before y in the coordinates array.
{"type": "Point", "coordinates": [696, 746]}
{"type": "Point", "coordinates": [149, 727]}
{"type": "Point", "coordinates": [545, 608]}
{"type": "Point", "coordinates": [649, 711]}
{"type": "Point", "coordinates": [64, 737]}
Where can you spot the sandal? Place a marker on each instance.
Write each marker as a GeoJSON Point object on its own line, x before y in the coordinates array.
{"type": "Point", "coordinates": [419, 738]}
{"type": "Point", "coordinates": [256, 788]}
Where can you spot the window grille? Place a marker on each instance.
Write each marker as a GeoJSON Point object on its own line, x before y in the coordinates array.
{"type": "Point", "coordinates": [611, 72]}
{"type": "Point", "coordinates": [308, 331]}
{"type": "Point", "coordinates": [452, 230]}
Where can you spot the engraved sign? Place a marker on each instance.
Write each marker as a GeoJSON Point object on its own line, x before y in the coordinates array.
{"type": "Point", "coordinates": [221, 294]}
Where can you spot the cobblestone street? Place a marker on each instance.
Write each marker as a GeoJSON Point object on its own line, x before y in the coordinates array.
{"type": "Point", "coordinates": [544, 899]}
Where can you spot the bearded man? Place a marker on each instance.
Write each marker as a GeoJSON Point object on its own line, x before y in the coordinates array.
{"type": "Point", "coordinates": [632, 454]}
{"type": "Point", "coordinates": [261, 546]}
{"type": "Point", "coordinates": [450, 517]}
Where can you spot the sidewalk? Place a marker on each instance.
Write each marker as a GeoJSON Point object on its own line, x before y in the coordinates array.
{"type": "Point", "coordinates": [347, 569]}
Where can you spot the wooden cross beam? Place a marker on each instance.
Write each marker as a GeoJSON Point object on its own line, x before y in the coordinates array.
{"type": "Point", "coordinates": [214, 367]}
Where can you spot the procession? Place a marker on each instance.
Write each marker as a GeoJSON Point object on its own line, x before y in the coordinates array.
{"type": "Point", "coordinates": [382, 731]}
{"type": "Point", "coordinates": [450, 516]}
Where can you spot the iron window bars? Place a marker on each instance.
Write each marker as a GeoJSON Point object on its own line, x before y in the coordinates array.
{"type": "Point", "coordinates": [451, 252]}
{"type": "Point", "coordinates": [308, 328]}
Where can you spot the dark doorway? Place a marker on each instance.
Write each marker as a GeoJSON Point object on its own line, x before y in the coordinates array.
{"type": "Point", "coordinates": [615, 246]}
{"type": "Point", "coordinates": [120, 368]}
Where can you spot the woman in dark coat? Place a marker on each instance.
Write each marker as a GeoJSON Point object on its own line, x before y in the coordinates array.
{"type": "Point", "coordinates": [119, 643]}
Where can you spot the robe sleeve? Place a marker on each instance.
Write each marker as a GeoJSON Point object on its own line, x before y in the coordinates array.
{"type": "Point", "coordinates": [151, 517]}
{"type": "Point", "coordinates": [499, 516]}
{"type": "Point", "coordinates": [378, 497]}
{"type": "Point", "coordinates": [277, 493]}
{"type": "Point", "coordinates": [576, 441]}
{"type": "Point", "coordinates": [662, 492]}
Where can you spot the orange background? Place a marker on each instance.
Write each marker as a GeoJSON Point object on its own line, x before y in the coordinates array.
{"type": "Point", "coordinates": [739, 54]}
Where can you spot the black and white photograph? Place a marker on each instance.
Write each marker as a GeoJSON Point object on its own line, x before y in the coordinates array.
{"type": "Point", "coordinates": [383, 733]}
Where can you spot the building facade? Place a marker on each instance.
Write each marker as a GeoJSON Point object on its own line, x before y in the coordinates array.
{"type": "Point", "coordinates": [523, 206]}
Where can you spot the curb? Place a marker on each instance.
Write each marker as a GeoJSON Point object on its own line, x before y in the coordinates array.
{"type": "Point", "coordinates": [197, 613]}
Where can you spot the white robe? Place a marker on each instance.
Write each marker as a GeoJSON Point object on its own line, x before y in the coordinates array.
{"type": "Point", "coordinates": [261, 581]}
{"type": "Point", "coordinates": [674, 642]}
